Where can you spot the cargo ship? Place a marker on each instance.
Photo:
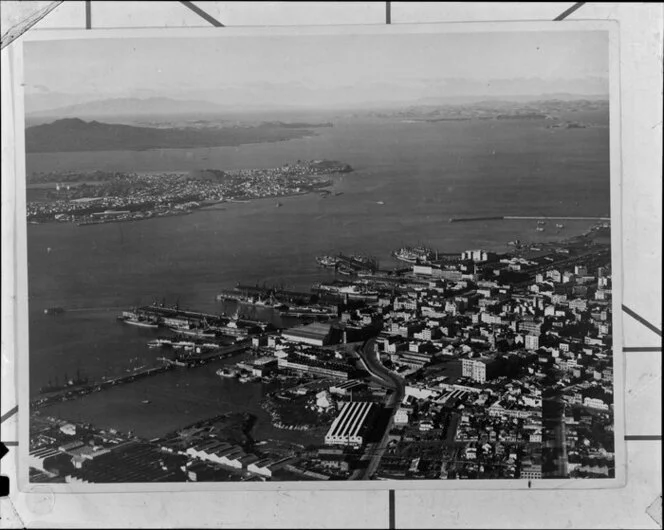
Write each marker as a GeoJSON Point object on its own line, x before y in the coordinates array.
{"type": "Point", "coordinates": [345, 270]}
{"type": "Point", "coordinates": [346, 289]}
{"type": "Point", "coordinates": [230, 296]}
{"type": "Point", "coordinates": [270, 303]}
{"type": "Point", "coordinates": [420, 254]}
{"type": "Point", "coordinates": [129, 317]}
{"type": "Point", "coordinates": [310, 311]}
{"type": "Point", "coordinates": [160, 343]}
{"type": "Point", "coordinates": [195, 332]}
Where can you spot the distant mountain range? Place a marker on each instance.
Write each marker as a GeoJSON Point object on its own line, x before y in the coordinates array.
{"type": "Point", "coordinates": [128, 108]}
{"type": "Point", "coordinates": [466, 100]}
{"type": "Point", "coordinates": [107, 108]}
{"type": "Point", "coordinates": [74, 134]}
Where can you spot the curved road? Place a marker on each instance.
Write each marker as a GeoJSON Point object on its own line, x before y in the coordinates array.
{"type": "Point", "coordinates": [391, 381]}
{"type": "Point", "coordinates": [388, 378]}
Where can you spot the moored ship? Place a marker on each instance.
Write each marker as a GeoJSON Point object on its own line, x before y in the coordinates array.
{"type": "Point", "coordinates": [196, 332]}
{"type": "Point", "coordinates": [310, 311]}
{"type": "Point", "coordinates": [345, 270]}
{"type": "Point", "coordinates": [136, 319]}
{"type": "Point", "coordinates": [420, 254]}
{"type": "Point", "coordinates": [270, 303]}
{"type": "Point", "coordinates": [160, 343]}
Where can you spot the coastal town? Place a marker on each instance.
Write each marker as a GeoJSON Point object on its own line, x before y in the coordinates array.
{"type": "Point", "coordinates": [473, 365]}
{"type": "Point", "coordinates": [101, 197]}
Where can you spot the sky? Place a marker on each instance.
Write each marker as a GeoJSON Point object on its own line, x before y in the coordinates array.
{"type": "Point", "coordinates": [322, 70]}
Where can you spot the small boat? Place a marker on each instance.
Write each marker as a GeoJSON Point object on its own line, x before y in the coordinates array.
{"type": "Point", "coordinates": [380, 202]}
{"type": "Point", "coordinates": [560, 225]}
{"type": "Point", "coordinates": [146, 402]}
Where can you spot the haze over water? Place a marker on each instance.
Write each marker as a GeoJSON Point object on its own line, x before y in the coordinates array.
{"type": "Point", "coordinates": [424, 173]}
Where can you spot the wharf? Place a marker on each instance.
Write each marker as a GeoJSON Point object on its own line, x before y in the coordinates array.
{"type": "Point", "coordinates": [370, 264]}
{"type": "Point", "coordinates": [172, 312]}
{"type": "Point", "coordinates": [204, 358]}
{"type": "Point", "coordinates": [161, 313]}
{"type": "Point", "coordinates": [281, 295]}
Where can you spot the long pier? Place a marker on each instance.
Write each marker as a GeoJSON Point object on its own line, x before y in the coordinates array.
{"type": "Point", "coordinates": [240, 292]}
{"type": "Point", "coordinates": [88, 388]}
{"type": "Point", "coordinates": [526, 218]}
{"type": "Point", "coordinates": [168, 364]}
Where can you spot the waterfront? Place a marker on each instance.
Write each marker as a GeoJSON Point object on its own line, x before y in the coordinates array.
{"type": "Point", "coordinates": [177, 398]}
{"type": "Point", "coordinates": [440, 171]}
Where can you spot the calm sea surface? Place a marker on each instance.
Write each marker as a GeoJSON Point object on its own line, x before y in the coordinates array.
{"type": "Point", "coordinates": [424, 173]}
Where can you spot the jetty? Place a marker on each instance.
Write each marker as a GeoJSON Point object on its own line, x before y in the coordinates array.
{"type": "Point", "coordinates": [525, 218]}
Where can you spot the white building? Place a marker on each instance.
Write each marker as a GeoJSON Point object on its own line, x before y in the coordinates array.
{"type": "Point", "coordinates": [475, 255]}
{"type": "Point", "coordinates": [531, 342]}
{"type": "Point", "coordinates": [595, 403]}
{"type": "Point", "coordinates": [401, 417]}
{"type": "Point", "coordinates": [474, 369]}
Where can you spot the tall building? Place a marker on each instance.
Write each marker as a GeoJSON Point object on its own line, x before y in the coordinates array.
{"type": "Point", "coordinates": [531, 342]}
{"type": "Point", "coordinates": [476, 255]}
{"type": "Point", "coordinates": [474, 369]}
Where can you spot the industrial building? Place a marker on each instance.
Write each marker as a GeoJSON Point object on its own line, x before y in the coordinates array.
{"type": "Point", "coordinates": [350, 425]}
{"type": "Point", "coordinates": [264, 366]}
{"type": "Point", "coordinates": [316, 334]}
{"type": "Point", "coordinates": [347, 388]}
{"type": "Point", "coordinates": [318, 368]}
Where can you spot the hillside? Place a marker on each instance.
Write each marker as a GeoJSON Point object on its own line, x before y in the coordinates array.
{"type": "Point", "coordinates": [74, 134]}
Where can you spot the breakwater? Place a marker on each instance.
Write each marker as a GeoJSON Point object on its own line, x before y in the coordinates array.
{"type": "Point", "coordinates": [525, 218]}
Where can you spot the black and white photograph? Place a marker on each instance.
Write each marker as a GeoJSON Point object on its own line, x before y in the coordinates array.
{"type": "Point", "coordinates": [332, 255]}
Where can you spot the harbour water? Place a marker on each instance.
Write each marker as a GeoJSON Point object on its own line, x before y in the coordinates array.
{"type": "Point", "coordinates": [422, 173]}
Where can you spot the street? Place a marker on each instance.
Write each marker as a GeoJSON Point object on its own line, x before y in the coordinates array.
{"type": "Point", "coordinates": [390, 380]}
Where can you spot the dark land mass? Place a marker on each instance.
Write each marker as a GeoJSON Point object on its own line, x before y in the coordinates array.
{"type": "Point", "coordinates": [73, 134]}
